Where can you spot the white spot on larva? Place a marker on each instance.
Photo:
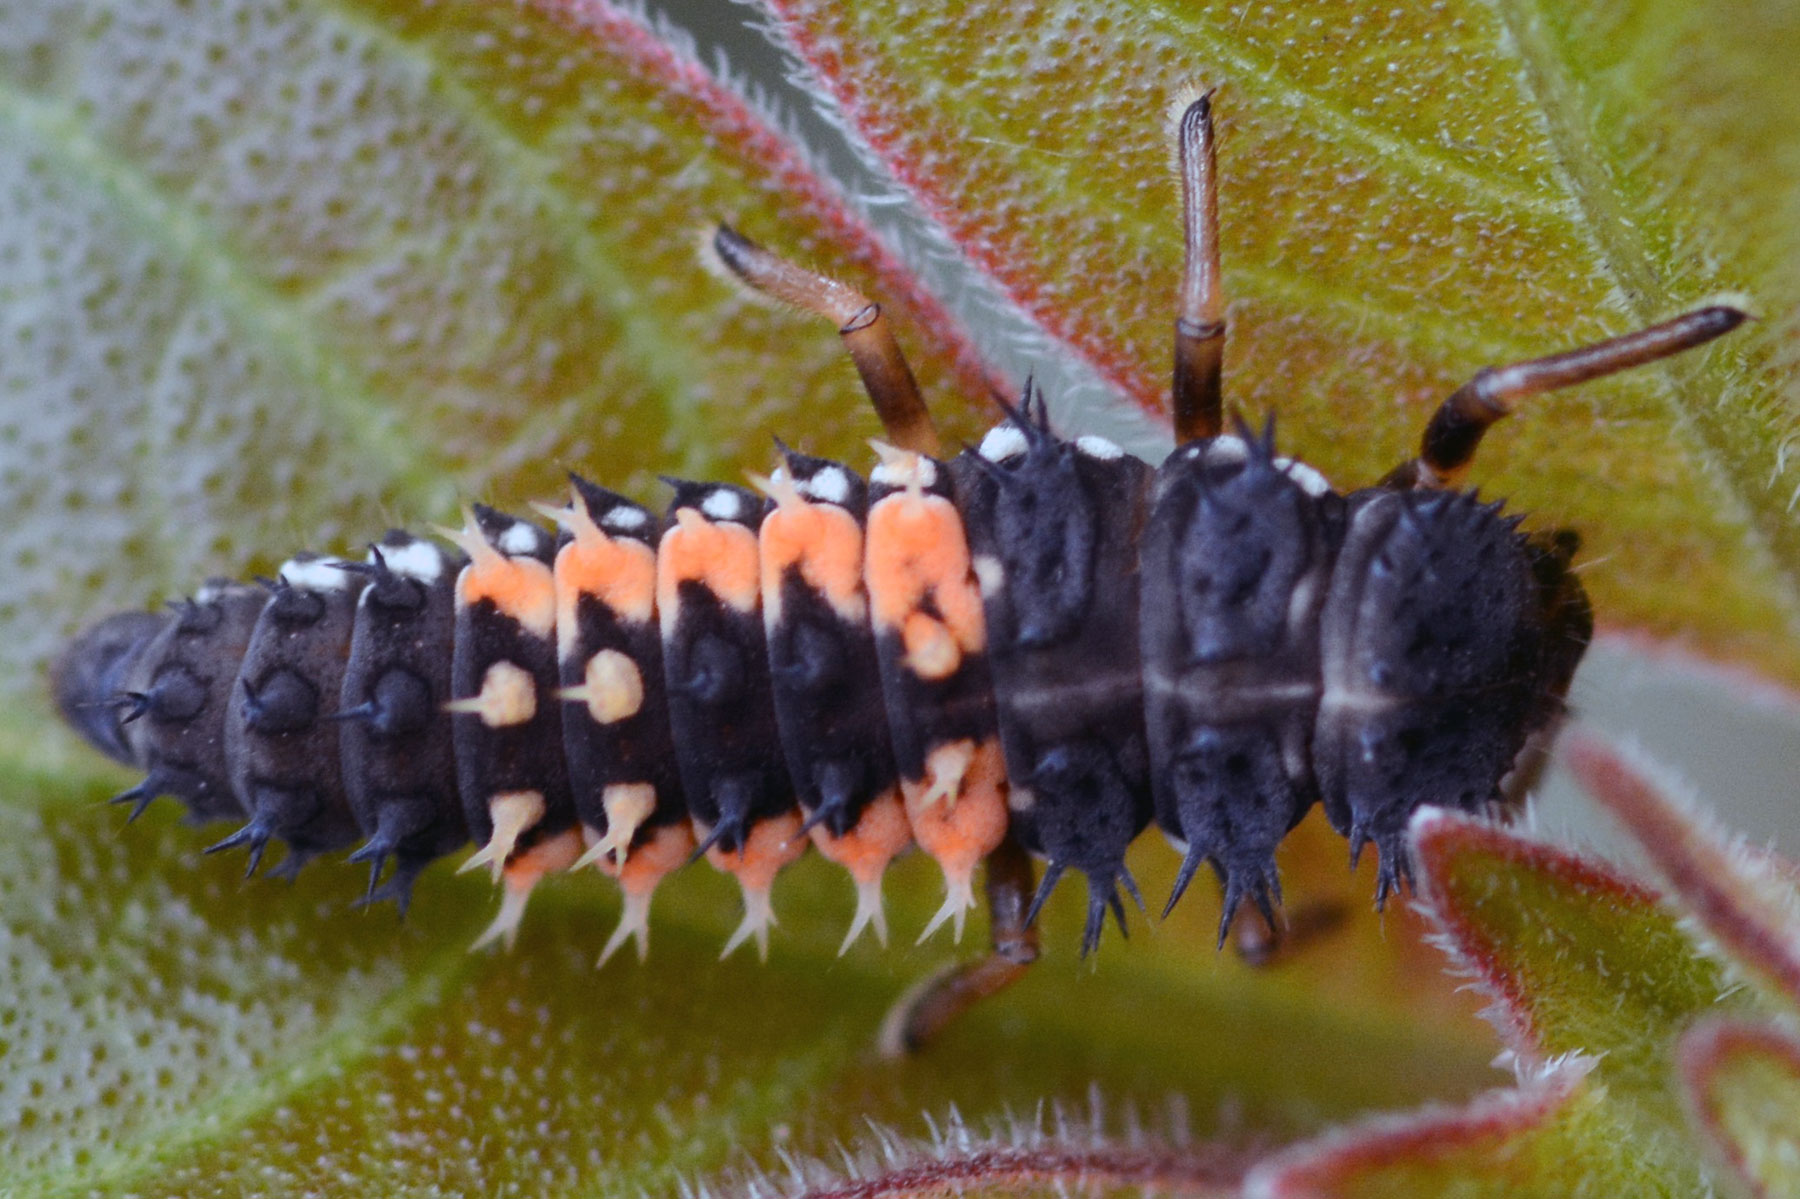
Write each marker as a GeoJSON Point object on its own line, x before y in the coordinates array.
{"type": "Point", "coordinates": [990, 574]}
{"type": "Point", "coordinates": [1309, 480]}
{"type": "Point", "coordinates": [830, 485]}
{"type": "Point", "coordinates": [314, 574]}
{"type": "Point", "coordinates": [417, 560]}
{"type": "Point", "coordinates": [1099, 447]}
{"type": "Point", "coordinates": [901, 473]}
{"type": "Point", "coordinates": [625, 517]}
{"type": "Point", "coordinates": [508, 697]}
{"type": "Point", "coordinates": [1003, 442]}
{"type": "Point", "coordinates": [519, 538]}
{"type": "Point", "coordinates": [722, 505]}
{"type": "Point", "coordinates": [1223, 451]}
{"type": "Point", "coordinates": [613, 689]}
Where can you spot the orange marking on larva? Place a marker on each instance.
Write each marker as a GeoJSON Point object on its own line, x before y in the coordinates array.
{"type": "Point", "coordinates": [771, 845]}
{"type": "Point", "coordinates": [719, 554]}
{"type": "Point", "coordinates": [961, 832]}
{"type": "Point", "coordinates": [931, 652]}
{"type": "Point", "coordinates": [619, 571]}
{"type": "Point", "coordinates": [878, 838]}
{"type": "Point", "coordinates": [549, 856]}
{"type": "Point", "coordinates": [665, 852]}
{"type": "Point", "coordinates": [827, 544]}
{"type": "Point", "coordinates": [881, 833]}
{"type": "Point", "coordinates": [523, 589]}
{"type": "Point", "coordinates": [917, 549]}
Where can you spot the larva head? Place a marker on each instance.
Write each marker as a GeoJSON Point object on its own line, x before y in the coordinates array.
{"type": "Point", "coordinates": [88, 678]}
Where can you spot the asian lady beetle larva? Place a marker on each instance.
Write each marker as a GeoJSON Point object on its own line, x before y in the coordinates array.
{"type": "Point", "coordinates": [1030, 650]}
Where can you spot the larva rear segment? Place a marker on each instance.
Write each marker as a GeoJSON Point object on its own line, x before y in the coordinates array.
{"type": "Point", "coordinates": [176, 694]}
{"type": "Point", "coordinates": [396, 745]}
{"type": "Point", "coordinates": [1053, 526]}
{"type": "Point", "coordinates": [931, 645]}
{"type": "Point", "coordinates": [278, 728]}
{"type": "Point", "coordinates": [721, 705]}
{"type": "Point", "coordinates": [1236, 560]}
{"type": "Point", "coordinates": [616, 733]}
{"type": "Point", "coordinates": [826, 681]}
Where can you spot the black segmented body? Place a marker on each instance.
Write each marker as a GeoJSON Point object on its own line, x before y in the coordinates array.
{"type": "Point", "coordinates": [1215, 644]}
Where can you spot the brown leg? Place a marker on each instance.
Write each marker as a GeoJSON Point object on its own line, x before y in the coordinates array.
{"type": "Point", "coordinates": [1456, 428]}
{"type": "Point", "coordinates": [1200, 320]}
{"type": "Point", "coordinates": [923, 1011]}
{"type": "Point", "coordinates": [866, 333]}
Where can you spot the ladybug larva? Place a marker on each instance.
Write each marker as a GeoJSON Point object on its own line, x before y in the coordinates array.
{"type": "Point", "coordinates": [1031, 650]}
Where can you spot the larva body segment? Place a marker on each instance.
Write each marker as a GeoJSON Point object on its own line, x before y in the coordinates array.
{"type": "Point", "coordinates": [1236, 562]}
{"type": "Point", "coordinates": [825, 677]}
{"type": "Point", "coordinates": [1053, 526]}
{"type": "Point", "coordinates": [617, 740]}
{"type": "Point", "coordinates": [276, 726]}
{"type": "Point", "coordinates": [395, 747]}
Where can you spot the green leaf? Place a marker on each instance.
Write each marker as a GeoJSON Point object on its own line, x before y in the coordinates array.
{"type": "Point", "coordinates": [1743, 1088]}
{"type": "Point", "coordinates": [1593, 983]}
{"type": "Point", "coordinates": [172, 1030]}
{"type": "Point", "coordinates": [1408, 193]}
{"type": "Point", "coordinates": [1744, 902]}
{"type": "Point", "coordinates": [1550, 1136]}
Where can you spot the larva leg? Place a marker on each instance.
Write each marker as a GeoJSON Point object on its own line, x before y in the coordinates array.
{"type": "Point", "coordinates": [1455, 429]}
{"type": "Point", "coordinates": [920, 1014]}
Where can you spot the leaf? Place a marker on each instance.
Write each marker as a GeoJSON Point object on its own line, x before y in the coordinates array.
{"type": "Point", "coordinates": [1408, 193]}
{"type": "Point", "coordinates": [1745, 904]}
{"type": "Point", "coordinates": [211, 1036]}
{"type": "Point", "coordinates": [1742, 1082]}
{"type": "Point", "coordinates": [1534, 1139]}
{"type": "Point", "coordinates": [1592, 983]}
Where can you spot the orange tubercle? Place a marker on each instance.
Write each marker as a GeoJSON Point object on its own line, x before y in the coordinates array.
{"type": "Point", "coordinates": [521, 875]}
{"type": "Point", "coordinates": [523, 589]}
{"type": "Point", "coordinates": [879, 837]}
{"type": "Point", "coordinates": [620, 571]}
{"type": "Point", "coordinates": [960, 828]}
{"type": "Point", "coordinates": [771, 845]}
{"type": "Point", "coordinates": [826, 543]}
{"type": "Point", "coordinates": [917, 548]}
{"type": "Point", "coordinates": [721, 555]}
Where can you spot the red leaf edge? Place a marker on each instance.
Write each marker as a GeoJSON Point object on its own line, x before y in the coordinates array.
{"type": "Point", "coordinates": [1717, 884]}
{"type": "Point", "coordinates": [737, 123]}
{"type": "Point", "coordinates": [1328, 1164]}
{"type": "Point", "coordinates": [1438, 837]}
{"type": "Point", "coordinates": [1119, 370]}
{"type": "Point", "coordinates": [1701, 1051]}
